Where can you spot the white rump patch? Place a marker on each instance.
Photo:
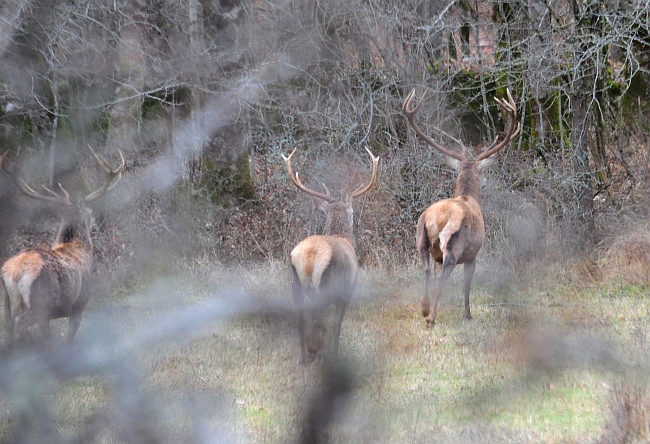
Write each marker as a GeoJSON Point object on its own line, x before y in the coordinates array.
{"type": "Point", "coordinates": [19, 292]}
{"type": "Point", "coordinates": [446, 234]}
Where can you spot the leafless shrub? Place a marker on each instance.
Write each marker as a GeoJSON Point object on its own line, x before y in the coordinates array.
{"type": "Point", "coordinates": [625, 256]}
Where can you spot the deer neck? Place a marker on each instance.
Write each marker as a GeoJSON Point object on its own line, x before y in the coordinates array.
{"type": "Point", "coordinates": [468, 182]}
{"type": "Point", "coordinates": [74, 231]}
{"type": "Point", "coordinates": [338, 221]}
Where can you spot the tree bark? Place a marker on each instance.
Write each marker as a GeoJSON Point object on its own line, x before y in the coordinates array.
{"type": "Point", "coordinates": [129, 72]}
{"type": "Point", "coordinates": [584, 72]}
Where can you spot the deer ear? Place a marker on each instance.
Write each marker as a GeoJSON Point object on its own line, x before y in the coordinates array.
{"type": "Point", "coordinates": [453, 163]}
{"type": "Point", "coordinates": [485, 163]}
{"type": "Point", "coordinates": [321, 204]}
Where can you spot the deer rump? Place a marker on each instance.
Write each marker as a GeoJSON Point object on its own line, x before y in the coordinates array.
{"type": "Point", "coordinates": [324, 268]}
{"type": "Point", "coordinates": [452, 229]}
{"type": "Point", "coordinates": [325, 264]}
{"type": "Point", "coordinates": [43, 284]}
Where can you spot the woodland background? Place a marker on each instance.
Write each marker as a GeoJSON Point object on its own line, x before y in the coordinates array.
{"type": "Point", "coordinates": [203, 97]}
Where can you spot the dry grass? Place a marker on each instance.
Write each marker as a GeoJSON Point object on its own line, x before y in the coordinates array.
{"type": "Point", "coordinates": [629, 415]}
{"type": "Point", "coordinates": [625, 257]}
{"type": "Point", "coordinates": [539, 363]}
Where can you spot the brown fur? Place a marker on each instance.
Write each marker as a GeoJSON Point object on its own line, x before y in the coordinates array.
{"type": "Point", "coordinates": [339, 219]}
{"type": "Point", "coordinates": [452, 230]}
{"type": "Point", "coordinates": [468, 182]}
{"type": "Point", "coordinates": [29, 262]}
{"type": "Point", "coordinates": [41, 284]}
{"type": "Point", "coordinates": [324, 267]}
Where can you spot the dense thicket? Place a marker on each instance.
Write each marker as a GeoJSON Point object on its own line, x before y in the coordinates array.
{"type": "Point", "coordinates": [202, 97]}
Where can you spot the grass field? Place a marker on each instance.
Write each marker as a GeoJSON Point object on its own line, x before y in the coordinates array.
{"type": "Point", "coordinates": [544, 360]}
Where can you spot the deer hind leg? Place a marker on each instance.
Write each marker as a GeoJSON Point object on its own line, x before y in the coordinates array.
{"type": "Point", "coordinates": [426, 302]}
{"type": "Point", "coordinates": [443, 271]}
{"type": "Point", "coordinates": [468, 274]}
{"type": "Point", "coordinates": [423, 249]}
{"type": "Point", "coordinates": [46, 331]}
{"type": "Point", "coordinates": [299, 306]}
{"type": "Point", "coordinates": [28, 323]}
{"type": "Point", "coordinates": [75, 316]}
{"type": "Point", "coordinates": [9, 318]}
{"type": "Point", "coordinates": [341, 308]}
{"type": "Point", "coordinates": [73, 325]}
{"type": "Point", "coordinates": [317, 336]}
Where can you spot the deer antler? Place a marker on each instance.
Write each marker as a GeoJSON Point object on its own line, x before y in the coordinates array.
{"type": "Point", "coordinates": [298, 183]}
{"type": "Point", "coordinates": [111, 176]}
{"type": "Point", "coordinates": [30, 192]}
{"type": "Point", "coordinates": [362, 190]}
{"type": "Point", "coordinates": [511, 108]}
{"type": "Point", "coordinates": [409, 111]}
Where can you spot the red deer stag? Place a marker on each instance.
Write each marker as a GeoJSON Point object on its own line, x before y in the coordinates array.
{"type": "Point", "coordinates": [324, 267]}
{"type": "Point", "coordinates": [48, 283]}
{"type": "Point", "coordinates": [452, 230]}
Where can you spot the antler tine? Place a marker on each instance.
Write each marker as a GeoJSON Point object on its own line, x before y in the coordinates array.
{"type": "Point", "coordinates": [295, 179]}
{"type": "Point", "coordinates": [101, 160]}
{"type": "Point", "coordinates": [111, 176]}
{"type": "Point", "coordinates": [406, 106]}
{"type": "Point", "coordinates": [362, 190]}
{"type": "Point", "coordinates": [511, 108]}
{"type": "Point", "coordinates": [287, 162]}
{"type": "Point", "coordinates": [30, 192]}
{"type": "Point", "coordinates": [409, 111]}
{"type": "Point", "coordinates": [510, 105]}
{"type": "Point", "coordinates": [106, 165]}
{"type": "Point", "coordinates": [65, 196]}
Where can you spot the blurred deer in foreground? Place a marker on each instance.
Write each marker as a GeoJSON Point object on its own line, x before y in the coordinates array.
{"type": "Point", "coordinates": [324, 267]}
{"type": "Point", "coordinates": [48, 283]}
{"type": "Point", "coordinates": [452, 230]}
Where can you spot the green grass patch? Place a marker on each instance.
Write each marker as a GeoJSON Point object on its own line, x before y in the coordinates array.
{"type": "Point", "coordinates": [535, 365]}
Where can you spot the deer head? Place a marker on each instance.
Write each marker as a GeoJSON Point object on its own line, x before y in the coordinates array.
{"type": "Point", "coordinates": [339, 212]}
{"type": "Point", "coordinates": [460, 160]}
{"type": "Point", "coordinates": [76, 216]}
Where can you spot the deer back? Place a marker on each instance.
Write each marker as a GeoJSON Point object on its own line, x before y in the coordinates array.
{"type": "Point", "coordinates": [453, 225]}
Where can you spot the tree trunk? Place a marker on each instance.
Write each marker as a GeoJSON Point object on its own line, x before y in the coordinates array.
{"type": "Point", "coordinates": [129, 77]}
{"type": "Point", "coordinates": [584, 72]}
{"type": "Point", "coordinates": [196, 46]}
